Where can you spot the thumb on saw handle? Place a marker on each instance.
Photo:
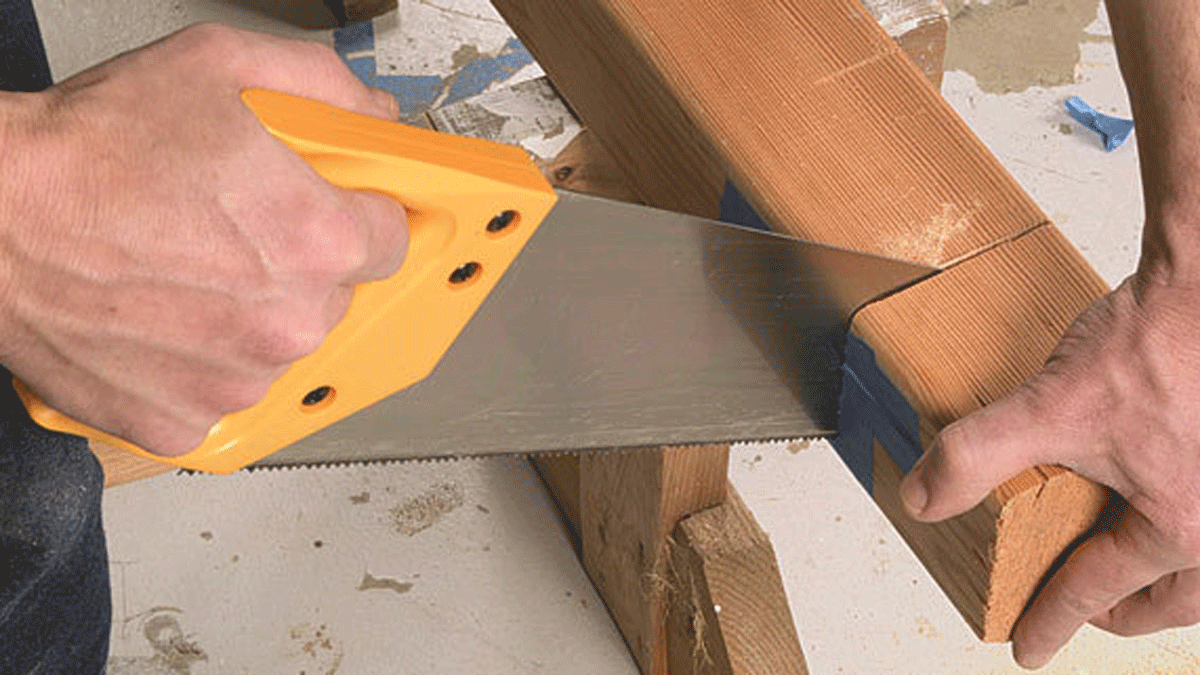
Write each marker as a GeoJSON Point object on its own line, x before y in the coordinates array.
{"type": "Point", "coordinates": [472, 205]}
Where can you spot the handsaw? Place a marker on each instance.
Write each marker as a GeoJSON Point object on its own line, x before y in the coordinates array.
{"type": "Point", "coordinates": [526, 319]}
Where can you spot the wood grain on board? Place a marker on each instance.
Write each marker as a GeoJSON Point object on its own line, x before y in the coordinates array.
{"type": "Point", "coordinates": [122, 467]}
{"type": "Point", "coordinates": [629, 502]}
{"type": "Point", "coordinates": [919, 27]}
{"type": "Point", "coordinates": [952, 344]}
{"type": "Point", "coordinates": [814, 112]}
{"type": "Point", "coordinates": [729, 611]}
{"type": "Point", "coordinates": [833, 134]}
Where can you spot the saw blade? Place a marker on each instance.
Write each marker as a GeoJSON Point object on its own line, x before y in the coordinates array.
{"type": "Point", "coordinates": [625, 326]}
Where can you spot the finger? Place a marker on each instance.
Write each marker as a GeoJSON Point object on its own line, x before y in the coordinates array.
{"type": "Point", "coordinates": [384, 224]}
{"type": "Point", "coordinates": [312, 70]}
{"type": "Point", "coordinates": [1106, 568]}
{"type": "Point", "coordinates": [971, 457]}
{"type": "Point", "coordinates": [1171, 602]}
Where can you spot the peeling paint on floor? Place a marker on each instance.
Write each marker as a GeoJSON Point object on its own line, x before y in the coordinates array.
{"type": "Point", "coordinates": [529, 114]}
{"type": "Point", "coordinates": [431, 54]}
{"type": "Point", "coordinates": [369, 583]}
{"type": "Point", "coordinates": [1012, 45]}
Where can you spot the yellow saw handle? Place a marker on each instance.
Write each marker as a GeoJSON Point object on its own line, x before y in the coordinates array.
{"type": "Point", "coordinates": [472, 205]}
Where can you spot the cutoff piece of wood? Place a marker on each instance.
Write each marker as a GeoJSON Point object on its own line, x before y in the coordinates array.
{"type": "Point", "coordinates": [958, 341]}
{"type": "Point", "coordinates": [729, 611]}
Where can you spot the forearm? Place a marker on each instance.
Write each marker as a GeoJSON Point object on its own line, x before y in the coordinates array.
{"type": "Point", "coordinates": [1158, 45]}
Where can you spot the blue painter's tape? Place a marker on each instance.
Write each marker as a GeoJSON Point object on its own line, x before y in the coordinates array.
{"type": "Point", "coordinates": [870, 407]}
{"type": "Point", "coordinates": [735, 209]}
{"type": "Point", "coordinates": [481, 73]}
{"type": "Point", "coordinates": [1113, 130]}
{"type": "Point", "coordinates": [356, 37]}
{"type": "Point", "coordinates": [418, 93]}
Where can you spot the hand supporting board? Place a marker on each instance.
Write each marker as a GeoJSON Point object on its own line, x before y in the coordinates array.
{"type": "Point", "coordinates": [472, 205]}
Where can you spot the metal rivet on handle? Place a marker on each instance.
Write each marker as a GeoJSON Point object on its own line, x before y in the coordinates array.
{"type": "Point", "coordinates": [464, 273]}
{"type": "Point", "coordinates": [501, 221]}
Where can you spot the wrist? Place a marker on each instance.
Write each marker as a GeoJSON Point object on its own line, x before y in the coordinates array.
{"type": "Point", "coordinates": [18, 116]}
{"type": "Point", "coordinates": [1171, 245]}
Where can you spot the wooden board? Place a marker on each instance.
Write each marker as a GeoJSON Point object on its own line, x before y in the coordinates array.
{"type": "Point", "coordinates": [959, 341]}
{"type": "Point", "coordinates": [788, 98]}
{"type": "Point", "coordinates": [353, 11]}
{"type": "Point", "coordinates": [729, 611]}
{"type": "Point", "coordinates": [122, 467]}
{"type": "Point", "coordinates": [833, 134]}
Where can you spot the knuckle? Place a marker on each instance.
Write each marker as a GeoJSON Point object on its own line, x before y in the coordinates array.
{"type": "Point", "coordinates": [338, 247]}
{"type": "Point", "coordinates": [954, 455]}
{"type": "Point", "coordinates": [284, 341]}
{"type": "Point", "coordinates": [323, 56]}
{"type": "Point", "coordinates": [1078, 604]}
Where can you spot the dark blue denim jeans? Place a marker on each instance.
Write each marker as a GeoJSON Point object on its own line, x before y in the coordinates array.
{"type": "Point", "coordinates": [55, 607]}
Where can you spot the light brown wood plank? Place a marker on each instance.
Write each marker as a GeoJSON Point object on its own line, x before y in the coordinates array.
{"type": "Point", "coordinates": [956, 342]}
{"type": "Point", "coordinates": [729, 611]}
{"type": "Point", "coordinates": [122, 467]}
{"type": "Point", "coordinates": [585, 166]}
{"type": "Point", "coordinates": [828, 129]}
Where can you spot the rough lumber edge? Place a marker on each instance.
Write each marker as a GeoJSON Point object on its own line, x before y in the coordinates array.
{"type": "Point", "coordinates": [951, 345]}
{"type": "Point", "coordinates": [560, 473]}
{"type": "Point", "coordinates": [720, 557]}
{"type": "Point", "coordinates": [629, 503]}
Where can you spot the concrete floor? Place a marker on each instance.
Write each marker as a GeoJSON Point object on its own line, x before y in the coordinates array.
{"type": "Point", "coordinates": [464, 566]}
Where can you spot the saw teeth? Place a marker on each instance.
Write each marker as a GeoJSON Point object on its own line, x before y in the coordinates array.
{"type": "Point", "coordinates": [529, 455]}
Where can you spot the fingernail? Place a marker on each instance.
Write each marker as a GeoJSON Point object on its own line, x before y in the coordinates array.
{"type": "Point", "coordinates": [913, 494]}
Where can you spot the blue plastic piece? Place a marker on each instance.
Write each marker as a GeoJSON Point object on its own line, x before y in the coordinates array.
{"type": "Point", "coordinates": [1113, 130]}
